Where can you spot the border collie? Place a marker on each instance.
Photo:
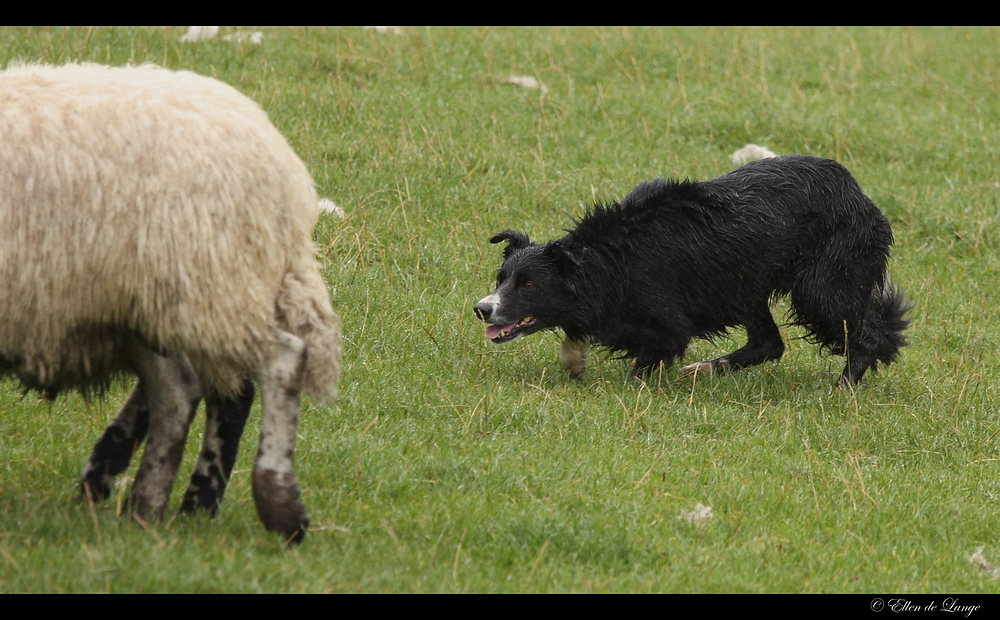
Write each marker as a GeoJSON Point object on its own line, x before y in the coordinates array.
{"type": "Point", "coordinates": [677, 260]}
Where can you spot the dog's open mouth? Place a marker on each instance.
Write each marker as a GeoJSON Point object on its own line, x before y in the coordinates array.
{"type": "Point", "coordinates": [506, 333]}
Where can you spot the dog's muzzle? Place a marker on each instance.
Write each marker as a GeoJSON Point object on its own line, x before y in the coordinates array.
{"type": "Point", "coordinates": [486, 307]}
{"type": "Point", "coordinates": [483, 311]}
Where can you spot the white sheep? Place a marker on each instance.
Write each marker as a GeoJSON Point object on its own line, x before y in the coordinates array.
{"type": "Point", "coordinates": [751, 152]}
{"type": "Point", "coordinates": [155, 222]}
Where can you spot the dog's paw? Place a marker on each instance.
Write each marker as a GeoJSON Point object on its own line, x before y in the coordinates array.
{"type": "Point", "coordinates": [844, 384]}
{"type": "Point", "coordinates": [573, 357]}
{"type": "Point", "coordinates": [699, 368]}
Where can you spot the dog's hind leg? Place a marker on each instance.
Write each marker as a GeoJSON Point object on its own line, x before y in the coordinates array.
{"type": "Point", "coordinates": [857, 364]}
{"type": "Point", "coordinates": [879, 336]}
{"type": "Point", "coordinates": [764, 344]}
{"type": "Point", "coordinates": [851, 307]}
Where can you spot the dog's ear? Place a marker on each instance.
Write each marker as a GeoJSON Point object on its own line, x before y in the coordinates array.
{"type": "Point", "coordinates": [516, 240]}
{"type": "Point", "coordinates": [564, 256]}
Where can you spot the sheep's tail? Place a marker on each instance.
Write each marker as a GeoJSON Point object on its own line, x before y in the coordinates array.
{"type": "Point", "coordinates": [304, 308]}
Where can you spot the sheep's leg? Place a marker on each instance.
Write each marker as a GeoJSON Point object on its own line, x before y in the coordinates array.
{"type": "Point", "coordinates": [275, 487]}
{"type": "Point", "coordinates": [224, 422]}
{"type": "Point", "coordinates": [173, 393]}
{"type": "Point", "coordinates": [115, 448]}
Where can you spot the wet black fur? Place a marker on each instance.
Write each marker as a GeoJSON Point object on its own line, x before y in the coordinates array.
{"type": "Point", "coordinates": [680, 260]}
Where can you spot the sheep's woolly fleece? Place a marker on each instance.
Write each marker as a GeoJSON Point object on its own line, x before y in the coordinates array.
{"type": "Point", "coordinates": [256, 37]}
{"type": "Point", "coordinates": [386, 29]}
{"type": "Point", "coordinates": [699, 514]}
{"type": "Point", "coordinates": [980, 562]}
{"type": "Point", "coordinates": [160, 203]}
{"type": "Point", "coordinates": [200, 33]}
{"type": "Point", "coordinates": [751, 152]}
{"type": "Point", "coordinates": [525, 81]}
{"type": "Point", "coordinates": [328, 206]}
{"type": "Point", "coordinates": [196, 34]}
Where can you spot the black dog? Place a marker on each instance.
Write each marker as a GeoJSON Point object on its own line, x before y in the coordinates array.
{"type": "Point", "coordinates": [678, 260]}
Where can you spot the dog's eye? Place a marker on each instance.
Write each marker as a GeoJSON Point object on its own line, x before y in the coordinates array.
{"type": "Point", "coordinates": [528, 285]}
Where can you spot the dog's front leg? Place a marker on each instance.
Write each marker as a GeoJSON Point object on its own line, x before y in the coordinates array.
{"type": "Point", "coordinates": [705, 368]}
{"type": "Point", "coordinates": [573, 356]}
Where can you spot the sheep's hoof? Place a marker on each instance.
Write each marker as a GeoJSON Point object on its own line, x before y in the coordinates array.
{"type": "Point", "coordinates": [148, 506]}
{"type": "Point", "coordinates": [202, 494]}
{"type": "Point", "coordinates": [278, 505]}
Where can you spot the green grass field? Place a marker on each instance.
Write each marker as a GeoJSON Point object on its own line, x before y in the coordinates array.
{"type": "Point", "coordinates": [453, 465]}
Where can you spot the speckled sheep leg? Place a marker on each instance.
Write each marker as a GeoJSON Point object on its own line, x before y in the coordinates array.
{"type": "Point", "coordinates": [173, 392]}
{"type": "Point", "coordinates": [275, 487]}
{"type": "Point", "coordinates": [224, 422]}
{"type": "Point", "coordinates": [113, 451]}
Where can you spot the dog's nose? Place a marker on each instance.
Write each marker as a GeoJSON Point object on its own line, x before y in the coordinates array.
{"type": "Point", "coordinates": [483, 311]}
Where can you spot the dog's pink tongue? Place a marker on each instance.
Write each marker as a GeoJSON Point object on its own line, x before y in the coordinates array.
{"type": "Point", "coordinates": [492, 331]}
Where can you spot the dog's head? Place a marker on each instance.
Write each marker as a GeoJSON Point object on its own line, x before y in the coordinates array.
{"type": "Point", "coordinates": [531, 291]}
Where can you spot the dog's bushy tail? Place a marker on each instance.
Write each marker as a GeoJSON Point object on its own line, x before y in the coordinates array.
{"type": "Point", "coordinates": [889, 322]}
